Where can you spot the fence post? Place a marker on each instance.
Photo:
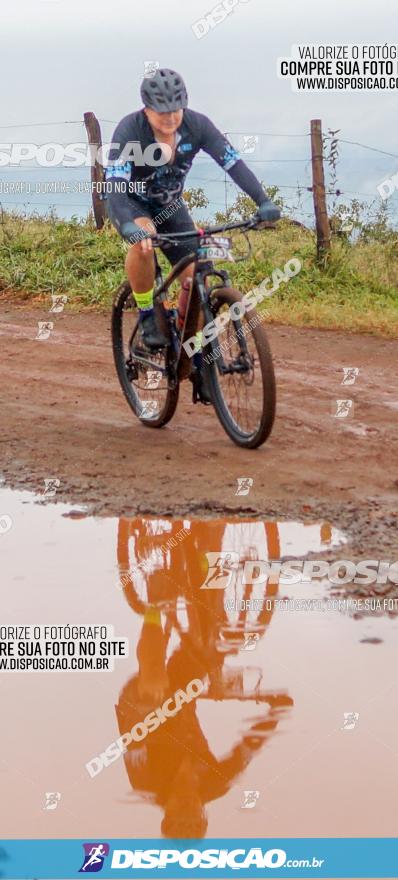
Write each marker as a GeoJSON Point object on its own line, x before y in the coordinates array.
{"type": "Point", "coordinates": [318, 191]}
{"type": "Point", "coordinates": [97, 172]}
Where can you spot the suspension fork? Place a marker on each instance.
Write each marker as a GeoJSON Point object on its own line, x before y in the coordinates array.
{"type": "Point", "coordinates": [241, 363]}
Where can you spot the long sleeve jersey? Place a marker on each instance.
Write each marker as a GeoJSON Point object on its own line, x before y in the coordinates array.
{"type": "Point", "coordinates": [135, 152]}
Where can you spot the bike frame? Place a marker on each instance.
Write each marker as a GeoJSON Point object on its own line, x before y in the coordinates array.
{"type": "Point", "coordinates": [200, 274]}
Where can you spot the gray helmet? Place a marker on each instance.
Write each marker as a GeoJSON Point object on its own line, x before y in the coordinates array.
{"type": "Point", "coordinates": [164, 92]}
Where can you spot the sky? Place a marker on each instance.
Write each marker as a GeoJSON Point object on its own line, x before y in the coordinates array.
{"type": "Point", "coordinates": [65, 57]}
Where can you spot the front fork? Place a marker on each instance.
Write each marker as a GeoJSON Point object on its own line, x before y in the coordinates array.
{"type": "Point", "coordinates": [240, 364]}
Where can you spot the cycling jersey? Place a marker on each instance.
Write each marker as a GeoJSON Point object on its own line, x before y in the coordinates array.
{"type": "Point", "coordinates": [164, 183]}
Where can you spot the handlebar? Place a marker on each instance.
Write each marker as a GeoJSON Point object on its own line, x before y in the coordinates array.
{"type": "Point", "coordinates": [251, 223]}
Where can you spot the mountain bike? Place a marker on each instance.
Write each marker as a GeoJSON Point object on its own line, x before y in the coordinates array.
{"type": "Point", "coordinates": [236, 354]}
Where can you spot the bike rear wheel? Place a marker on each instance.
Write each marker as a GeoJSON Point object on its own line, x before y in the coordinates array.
{"type": "Point", "coordinates": [146, 387]}
{"type": "Point", "coordinates": [245, 397]}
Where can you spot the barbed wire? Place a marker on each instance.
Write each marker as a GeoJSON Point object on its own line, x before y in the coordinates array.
{"type": "Point", "coordinates": [48, 205]}
{"type": "Point", "coordinates": [303, 190]}
{"type": "Point", "coordinates": [297, 187]}
{"type": "Point", "coordinates": [62, 122]}
{"type": "Point", "coordinates": [78, 167]}
{"type": "Point", "coordinates": [38, 124]}
{"type": "Point", "coordinates": [66, 204]}
{"type": "Point", "coordinates": [53, 204]}
{"type": "Point", "coordinates": [364, 146]}
{"type": "Point", "coordinates": [229, 132]}
{"type": "Point", "coordinates": [267, 134]}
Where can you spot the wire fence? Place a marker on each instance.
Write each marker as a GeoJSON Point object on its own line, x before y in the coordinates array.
{"type": "Point", "coordinates": [297, 193]}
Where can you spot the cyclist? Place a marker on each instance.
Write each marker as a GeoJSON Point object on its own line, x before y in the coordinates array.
{"type": "Point", "coordinates": [136, 207]}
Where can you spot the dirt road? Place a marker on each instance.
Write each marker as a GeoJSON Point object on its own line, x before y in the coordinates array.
{"type": "Point", "coordinates": [63, 415]}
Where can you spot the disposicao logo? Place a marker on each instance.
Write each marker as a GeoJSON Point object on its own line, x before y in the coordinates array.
{"type": "Point", "coordinates": [237, 859]}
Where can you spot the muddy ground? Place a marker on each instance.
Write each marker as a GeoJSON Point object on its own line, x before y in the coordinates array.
{"type": "Point", "coordinates": [63, 415]}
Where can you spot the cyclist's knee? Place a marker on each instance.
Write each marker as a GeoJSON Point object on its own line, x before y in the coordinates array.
{"type": "Point", "coordinates": [136, 254]}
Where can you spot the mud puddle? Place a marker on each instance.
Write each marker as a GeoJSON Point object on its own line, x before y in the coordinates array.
{"type": "Point", "coordinates": [293, 732]}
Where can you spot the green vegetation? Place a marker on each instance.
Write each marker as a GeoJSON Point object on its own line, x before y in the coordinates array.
{"type": "Point", "coordinates": [357, 290]}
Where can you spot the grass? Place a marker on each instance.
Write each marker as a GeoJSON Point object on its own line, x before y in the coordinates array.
{"type": "Point", "coordinates": [358, 291]}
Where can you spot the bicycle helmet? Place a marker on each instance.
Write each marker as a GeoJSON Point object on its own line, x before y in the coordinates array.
{"type": "Point", "coordinates": [165, 91]}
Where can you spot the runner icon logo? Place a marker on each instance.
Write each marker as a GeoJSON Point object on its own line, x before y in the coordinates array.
{"type": "Point", "coordinates": [52, 800]}
{"type": "Point", "coordinates": [222, 567]}
{"type": "Point", "coordinates": [94, 856]}
{"type": "Point", "coordinates": [244, 485]}
{"type": "Point", "coordinates": [251, 798]}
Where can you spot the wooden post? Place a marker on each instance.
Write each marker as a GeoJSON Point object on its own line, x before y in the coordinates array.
{"type": "Point", "coordinates": [318, 191]}
{"type": "Point", "coordinates": [97, 171]}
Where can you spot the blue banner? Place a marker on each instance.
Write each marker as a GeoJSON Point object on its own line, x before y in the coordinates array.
{"type": "Point", "coordinates": [148, 858]}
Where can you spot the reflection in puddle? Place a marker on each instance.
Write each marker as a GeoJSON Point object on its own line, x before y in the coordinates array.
{"type": "Point", "coordinates": [264, 750]}
{"type": "Point", "coordinates": [176, 576]}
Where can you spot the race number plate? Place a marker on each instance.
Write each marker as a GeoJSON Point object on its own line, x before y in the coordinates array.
{"type": "Point", "coordinates": [215, 248]}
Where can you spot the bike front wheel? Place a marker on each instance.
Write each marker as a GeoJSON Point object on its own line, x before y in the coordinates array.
{"type": "Point", "coordinates": [240, 372]}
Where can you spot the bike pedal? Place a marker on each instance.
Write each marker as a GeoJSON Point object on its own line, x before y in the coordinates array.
{"type": "Point", "coordinates": [196, 391]}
